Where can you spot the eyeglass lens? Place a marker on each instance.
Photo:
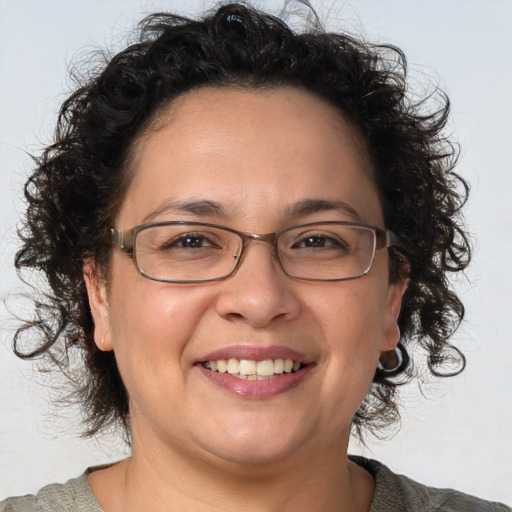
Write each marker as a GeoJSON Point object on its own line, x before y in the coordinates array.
{"type": "Point", "coordinates": [194, 252]}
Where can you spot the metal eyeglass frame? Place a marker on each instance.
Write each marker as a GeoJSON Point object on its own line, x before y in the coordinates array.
{"type": "Point", "coordinates": [384, 238]}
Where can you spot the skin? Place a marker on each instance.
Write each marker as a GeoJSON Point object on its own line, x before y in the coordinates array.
{"type": "Point", "coordinates": [255, 153]}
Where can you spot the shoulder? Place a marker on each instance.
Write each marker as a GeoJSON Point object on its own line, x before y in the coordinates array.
{"type": "Point", "coordinates": [399, 493]}
{"type": "Point", "coordinates": [73, 496]}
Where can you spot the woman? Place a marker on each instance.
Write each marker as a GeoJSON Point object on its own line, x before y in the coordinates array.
{"type": "Point", "coordinates": [245, 230]}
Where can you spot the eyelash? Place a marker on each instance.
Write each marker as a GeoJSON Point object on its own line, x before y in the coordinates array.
{"type": "Point", "coordinates": [186, 236]}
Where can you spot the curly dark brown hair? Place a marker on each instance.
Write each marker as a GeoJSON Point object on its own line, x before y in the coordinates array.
{"type": "Point", "coordinates": [80, 180]}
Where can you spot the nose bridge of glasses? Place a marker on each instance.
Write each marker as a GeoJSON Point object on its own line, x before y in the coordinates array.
{"type": "Point", "coordinates": [247, 238]}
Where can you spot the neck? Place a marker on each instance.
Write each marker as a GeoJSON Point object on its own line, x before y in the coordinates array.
{"type": "Point", "coordinates": [150, 480]}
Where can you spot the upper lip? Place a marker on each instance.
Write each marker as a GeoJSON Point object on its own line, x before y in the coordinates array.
{"type": "Point", "coordinates": [256, 353]}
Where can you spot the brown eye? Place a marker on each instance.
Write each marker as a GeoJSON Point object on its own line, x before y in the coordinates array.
{"type": "Point", "coordinates": [190, 241]}
{"type": "Point", "coordinates": [318, 241]}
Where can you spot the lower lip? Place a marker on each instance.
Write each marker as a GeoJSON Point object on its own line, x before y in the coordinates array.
{"type": "Point", "coordinates": [257, 388]}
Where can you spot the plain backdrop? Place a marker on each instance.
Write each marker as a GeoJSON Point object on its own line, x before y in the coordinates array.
{"type": "Point", "coordinates": [458, 434]}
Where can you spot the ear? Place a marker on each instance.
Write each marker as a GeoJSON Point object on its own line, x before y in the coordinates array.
{"type": "Point", "coordinates": [98, 302]}
{"type": "Point", "coordinates": [390, 329]}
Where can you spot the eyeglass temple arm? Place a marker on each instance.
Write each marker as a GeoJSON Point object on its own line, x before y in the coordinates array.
{"type": "Point", "coordinates": [389, 239]}
{"type": "Point", "coordinates": [122, 239]}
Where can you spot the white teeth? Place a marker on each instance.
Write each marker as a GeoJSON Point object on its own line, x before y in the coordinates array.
{"type": "Point", "coordinates": [265, 367]}
{"type": "Point", "coordinates": [222, 365]}
{"type": "Point", "coordinates": [247, 367]}
{"type": "Point", "coordinates": [233, 366]}
{"type": "Point", "coordinates": [253, 370]}
{"type": "Point", "coordinates": [253, 377]}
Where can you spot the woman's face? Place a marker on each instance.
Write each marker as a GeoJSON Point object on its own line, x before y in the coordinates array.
{"type": "Point", "coordinates": [252, 161]}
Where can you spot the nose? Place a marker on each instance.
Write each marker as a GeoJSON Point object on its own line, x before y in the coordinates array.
{"type": "Point", "coordinates": [259, 292]}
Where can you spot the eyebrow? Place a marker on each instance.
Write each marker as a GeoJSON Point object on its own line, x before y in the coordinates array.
{"type": "Point", "coordinates": [310, 206]}
{"type": "Point", "coordinates": [205, 208]}
{"type": "Point", "coordinates": [201, 208]}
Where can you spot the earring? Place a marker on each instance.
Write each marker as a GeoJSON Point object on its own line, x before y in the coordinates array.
{"type": "Point", "coordinates": [399, 360]}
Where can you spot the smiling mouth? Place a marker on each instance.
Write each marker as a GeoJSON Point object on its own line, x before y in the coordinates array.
{"type": "Point", "coordinates": [247, 369]}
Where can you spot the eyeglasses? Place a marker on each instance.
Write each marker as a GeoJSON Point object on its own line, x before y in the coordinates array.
{"type": "Point", "coordinates": [197, 252]}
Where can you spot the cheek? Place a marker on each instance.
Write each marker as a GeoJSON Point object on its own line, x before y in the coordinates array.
{"type": "Point", "coordinates": [350, 316]}
{"type": "Point", "coordinates": [153, 322]}
{"type": "Point", "coordinates": [352, 327]}
{"type": "Point", "coordinates": [152, 331]}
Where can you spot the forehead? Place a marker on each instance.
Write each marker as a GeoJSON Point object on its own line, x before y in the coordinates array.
{"type": "Point", "coordinates": [254, 152]}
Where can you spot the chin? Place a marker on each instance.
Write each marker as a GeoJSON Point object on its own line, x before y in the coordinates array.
{"type": "Point", "coordinates": [255, 457]}
{"type": "Point", "coordinates": [256, 447]}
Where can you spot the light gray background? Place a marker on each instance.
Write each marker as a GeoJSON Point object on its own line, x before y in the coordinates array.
{"type": "Point", "coordinates": [459, 436]}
